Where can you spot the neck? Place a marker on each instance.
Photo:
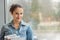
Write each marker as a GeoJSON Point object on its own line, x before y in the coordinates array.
{"type": "Point", "coordinates": [16, 24]}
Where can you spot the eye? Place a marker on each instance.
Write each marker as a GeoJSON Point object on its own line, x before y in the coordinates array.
{"type": "Point", "coordinates": [21, 13]}
{"type": "Point", "coordinates": [16, 13]}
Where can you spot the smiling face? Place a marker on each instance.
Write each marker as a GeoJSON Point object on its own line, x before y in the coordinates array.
{"type": "Point", "coordinates": [17, 14]}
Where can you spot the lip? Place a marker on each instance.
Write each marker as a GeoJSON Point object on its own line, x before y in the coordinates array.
{"type": "Point", "coordinates": [18, 18]}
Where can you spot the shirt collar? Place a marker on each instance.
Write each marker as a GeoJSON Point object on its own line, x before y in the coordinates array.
{"type": "Point", "coordinates": [22, 23]}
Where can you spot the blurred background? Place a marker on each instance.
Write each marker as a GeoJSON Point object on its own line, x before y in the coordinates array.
{"type": "Point", "coordinates": [42, 15]}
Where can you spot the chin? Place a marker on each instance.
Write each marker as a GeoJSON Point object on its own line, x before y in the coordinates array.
{"type": "Point", "coordinates": [18, 20]}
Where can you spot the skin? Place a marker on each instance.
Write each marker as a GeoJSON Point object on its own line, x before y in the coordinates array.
{"type": "Point", "coordinates": [17, 16]}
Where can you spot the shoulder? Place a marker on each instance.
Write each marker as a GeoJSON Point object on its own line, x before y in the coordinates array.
{"type": "Point", "coordinates": [27, 25]}
{"type": "Point", "coordinates": [5, 26]}
{"type": "Point", "coordinates": [24, 23]}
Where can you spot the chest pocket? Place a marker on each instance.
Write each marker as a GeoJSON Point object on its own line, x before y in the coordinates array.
{"type": "Point", "coordinates": [22, 31]}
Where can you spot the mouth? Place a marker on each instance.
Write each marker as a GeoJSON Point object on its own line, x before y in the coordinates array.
{"type": "Point", "coordinates": [18, 18]}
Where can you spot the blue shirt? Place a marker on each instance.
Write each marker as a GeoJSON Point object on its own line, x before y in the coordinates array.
{"type": "Point", "coordinates": [24, 30]}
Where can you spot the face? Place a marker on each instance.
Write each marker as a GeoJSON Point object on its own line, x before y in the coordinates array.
{"type": "Point", "coordinates": [17, 14]}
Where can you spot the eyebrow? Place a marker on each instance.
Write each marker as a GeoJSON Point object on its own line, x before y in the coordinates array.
{"type": "Point", "coordinates": [18, 13]}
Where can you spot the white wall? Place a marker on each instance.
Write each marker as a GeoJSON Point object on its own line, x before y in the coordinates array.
{"type": "Point", "coordinates": [1, 13]}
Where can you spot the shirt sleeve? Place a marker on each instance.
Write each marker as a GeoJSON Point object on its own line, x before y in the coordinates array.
{"type": "Point", "coordinates": [29, 33]}
{"type": "Point", "coordinates": [2, 33]}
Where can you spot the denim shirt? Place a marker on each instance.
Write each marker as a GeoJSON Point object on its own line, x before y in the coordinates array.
{"type": "Point", "coordinates": [24, 30]}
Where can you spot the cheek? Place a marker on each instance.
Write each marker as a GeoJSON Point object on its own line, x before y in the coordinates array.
{"type": "Point", "coordinates": [20, 16]}
{"type": "Point", "coordinates": [17, 16]}
{"type": "Point", "coordinates": [14, 16]}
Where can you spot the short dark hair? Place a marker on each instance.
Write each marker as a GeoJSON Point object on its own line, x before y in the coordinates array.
{"type": "Point", "coordinates": [14, 6]}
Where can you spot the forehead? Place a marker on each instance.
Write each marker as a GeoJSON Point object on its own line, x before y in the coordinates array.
{"type": "Point", "coordinates": [19, 9]}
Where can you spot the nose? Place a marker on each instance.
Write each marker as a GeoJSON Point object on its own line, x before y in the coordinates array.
{"type": "Point", "coordinates": [19, 15]}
